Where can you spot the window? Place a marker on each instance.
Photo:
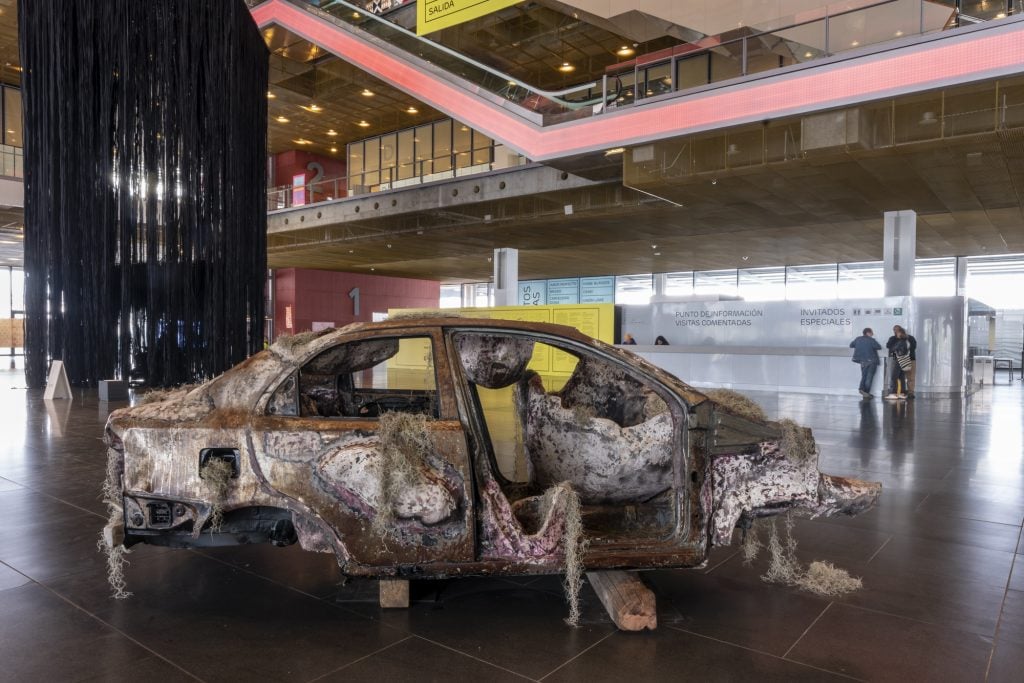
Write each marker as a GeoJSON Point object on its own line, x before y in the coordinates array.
{"type": "Point", "coordinates": [12, 117]}
{"type": "Point", "coordinates": [935, 277]}
{"type": "Point", "coordinates": [679, 284]}
{"type": "Point", "coordinates": [762, 284]}
{"type": "Point", "coordinates": [721, 282]}
{"type": "Point", "coordinates": [634, 289]}
{"type": "Point", "coordinates": [362, 379]}
{"type": "Point", "coordinates": [861, 280]}
{"type": "Point", "coordinates": [811, 282]}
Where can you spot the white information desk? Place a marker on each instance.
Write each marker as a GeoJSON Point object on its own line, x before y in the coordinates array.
{"type": "Point", "coordinates": [798, 345]}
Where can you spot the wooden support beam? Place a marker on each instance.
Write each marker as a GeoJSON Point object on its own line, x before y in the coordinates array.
{"type": "Point", "coordinates": [394, 593]}
{"type": "Point", "coordinates": [629, 602]}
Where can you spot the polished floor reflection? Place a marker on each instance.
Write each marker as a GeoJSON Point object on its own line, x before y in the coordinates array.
{"type": "Point", "coordinates": [940, 557]}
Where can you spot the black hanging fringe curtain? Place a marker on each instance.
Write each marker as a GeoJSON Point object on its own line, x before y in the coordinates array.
{"type": "Point", "coordinates": [145, 217]}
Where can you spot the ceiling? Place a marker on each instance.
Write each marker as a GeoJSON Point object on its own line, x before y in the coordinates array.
{"type": "Point", "coordinates": [302, 75]}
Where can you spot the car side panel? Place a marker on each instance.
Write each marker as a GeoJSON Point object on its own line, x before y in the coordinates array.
{"type": "Point", "coordinates": [324, 466]}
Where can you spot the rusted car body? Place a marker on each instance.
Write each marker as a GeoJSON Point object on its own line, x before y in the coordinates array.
{"type": "Point", "coordinates": [661, 472]}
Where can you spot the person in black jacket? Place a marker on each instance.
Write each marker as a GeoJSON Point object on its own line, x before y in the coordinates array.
{"type": "Point", "coordinates": [865, 352]}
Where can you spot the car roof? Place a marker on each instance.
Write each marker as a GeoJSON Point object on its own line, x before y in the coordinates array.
{"type": "Point", "coordinates": [445, 320]}
{"type": "Point", "coordinates": [292, 348]}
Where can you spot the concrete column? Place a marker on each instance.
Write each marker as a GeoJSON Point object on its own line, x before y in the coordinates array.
{"type": "Point", "coordinates": [660, 285]}
{"type": "Point", "coordinates": [899, 251]}
{"type": "Point", "coordinates": [468, 295]}
{"type": "Point", "coordinates": [506, 277]}
{"type": "Point", "coordinates": [961, 276]}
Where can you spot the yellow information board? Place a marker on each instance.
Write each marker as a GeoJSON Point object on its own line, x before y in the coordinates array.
{"type": "Point", "coordinates": [593, 320]}
{"type": "Point", "coordinates": [434, 15]}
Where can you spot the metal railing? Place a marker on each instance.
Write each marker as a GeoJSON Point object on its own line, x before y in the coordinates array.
{"type": "Point", "coordinates": [390, 178]}
{"type": "Point", "coordinates": [833, 30]}
{"type": "Point", "coordinates": [487, 78]}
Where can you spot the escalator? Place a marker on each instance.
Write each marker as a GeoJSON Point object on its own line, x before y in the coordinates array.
{"type": "Point", "coordinates": [537, 105]}
{"type": "Point", "coordinates": [556, 127]}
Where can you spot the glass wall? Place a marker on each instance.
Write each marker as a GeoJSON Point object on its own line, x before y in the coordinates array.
{"type": "Point", "coordinates": [995, 280]}
{"type": "Point", "coordinates": [12, 117]}
{"type": "Point", "coordinates": [634, 289]}
{"type": "Point", "coordinates": [858, 280]}
{"type": "Point", "coordinates": [762, 284]}
{"type": "Point", "coordinates": [434, 151]}
{"type": "Point", "coordinates": [812, 282]}
{"type": "Point", "coordinates": [679, 284]}
{"type": "Point", "coordinates": [12, 310]}
{"type": "Point", "coordinates": [451, 296]}
{"type": "Point", "coordinates": [11, 143]}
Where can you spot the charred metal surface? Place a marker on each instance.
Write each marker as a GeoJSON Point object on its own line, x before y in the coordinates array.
{"type": "Point", "coordinates": [494, 361]}
{"type": "Point", "coordinates": [604, 462]}
{"type": "Point", "coordinates": [773, 481]}
{"type": "Point", "coordinates": [608, 392]}
{"type": "Point", "coordinates": [354, 472]}
{"type": "Point", "coordinates": [661, 472]}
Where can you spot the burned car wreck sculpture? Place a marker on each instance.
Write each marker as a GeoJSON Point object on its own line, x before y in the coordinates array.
{"type": "Point", "coordinates": [425, 447]}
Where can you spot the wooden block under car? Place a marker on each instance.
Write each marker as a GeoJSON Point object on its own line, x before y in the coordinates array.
{"type": "Point", "coordinates": [630, 603]}
{"type": "Point", "coordinates": [394, 593]}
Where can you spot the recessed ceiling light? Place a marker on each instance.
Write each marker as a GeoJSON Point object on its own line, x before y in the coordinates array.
{"type": "Point", "coordinates": [314, 108]}
{"type": "Point", "coordinates": [366, 92]}
{"type": "Point", "coordinates": [281, 119]}
{"type": "Point", "coordinates": [566, 68]}
{"type": "Point", "coordinates": [625, 51]}
{"type": "Point", "coordinates": [355, 15]}
{"type": "Point", "coordinates": [412, 110]}
{"type": "Point", "coordinates": [808, 55]}
{"type": "Point", "coordinates": [271, 96]}
{"type": "Point", "coordinates": [302, 141]}
{"type": "Point", "coordinates": [615, 150]}
{"type": "Point", "coordinates": [363, 124]}
{"type": "Point", "coordinates": [334, 149]}
{"type": "Point", "coordinates": [332, 132]}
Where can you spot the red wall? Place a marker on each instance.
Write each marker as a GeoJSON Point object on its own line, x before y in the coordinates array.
{"type": "Point", "coordinates": [323, 296]}
{"type": "Point", "coordinates": [292, 163]}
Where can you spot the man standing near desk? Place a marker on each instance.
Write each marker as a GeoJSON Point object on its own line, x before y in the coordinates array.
{"type": "Point", "coordinates": [865, 352]}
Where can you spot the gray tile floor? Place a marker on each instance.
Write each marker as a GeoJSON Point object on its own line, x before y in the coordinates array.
{"type": "Point", "coordinates": [940, 557]}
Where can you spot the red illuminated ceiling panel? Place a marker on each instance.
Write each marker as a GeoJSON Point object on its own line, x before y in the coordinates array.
{"type": "Point", "coordinates": [946, 59]}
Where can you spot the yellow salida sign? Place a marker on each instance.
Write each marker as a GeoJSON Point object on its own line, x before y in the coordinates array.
{"type": "Point", "coordinates": [434, 15]}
